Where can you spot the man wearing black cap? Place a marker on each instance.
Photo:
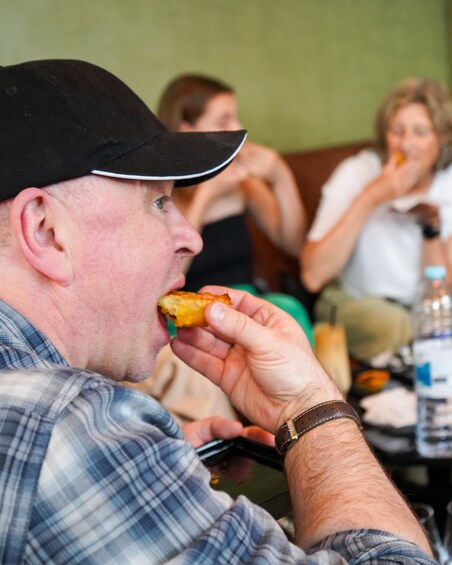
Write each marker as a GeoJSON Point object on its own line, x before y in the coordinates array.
{"type": "Point", "coordinates": [90, 471]}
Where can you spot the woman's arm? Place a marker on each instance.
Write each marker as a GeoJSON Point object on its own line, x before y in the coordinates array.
{"type": "Point", "coordinates": [323, 259]}
{"type": "Point", "coordinates": [435, 250]}
{"type": "Point", "coordinates": [212, 200]}
{"type": "Point", "coordinates": [438, 251]}
{"type": "Point", "coordinates": [273, 197]}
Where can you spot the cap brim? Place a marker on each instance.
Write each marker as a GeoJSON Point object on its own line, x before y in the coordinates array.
{"type": "Point", "coordinates": [186, 158]}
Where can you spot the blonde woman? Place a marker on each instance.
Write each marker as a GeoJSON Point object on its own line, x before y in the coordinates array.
{"type": "Point", "coordinates": [383, 215]}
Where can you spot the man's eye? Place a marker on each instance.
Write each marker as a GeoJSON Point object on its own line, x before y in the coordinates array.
{"type": "Point", "coordinates": [161, 202]}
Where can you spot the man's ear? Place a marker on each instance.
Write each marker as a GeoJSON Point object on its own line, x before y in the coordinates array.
{"type": "Point", "coordinates": [36, 222]}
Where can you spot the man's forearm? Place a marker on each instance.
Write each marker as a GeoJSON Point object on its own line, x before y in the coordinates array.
{"type": "Point", "coordinates": [336, 484]}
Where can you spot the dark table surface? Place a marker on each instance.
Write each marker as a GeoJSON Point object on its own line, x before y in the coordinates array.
{"type": "Point", "coordinates": [419, 479]}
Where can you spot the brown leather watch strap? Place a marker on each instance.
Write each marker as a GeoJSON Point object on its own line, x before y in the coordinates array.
{"type": "Point", "coordinates": [294, 428]}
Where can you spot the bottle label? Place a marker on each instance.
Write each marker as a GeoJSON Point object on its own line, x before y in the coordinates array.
{"type": "Point", "coordinates": [433, 361]}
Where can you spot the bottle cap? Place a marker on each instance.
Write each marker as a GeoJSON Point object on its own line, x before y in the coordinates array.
{"type": "Point", "coordinates": [435, 272]}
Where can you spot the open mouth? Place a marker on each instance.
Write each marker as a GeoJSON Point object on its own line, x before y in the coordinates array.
{"type": "Point", "coordinates": [162, 318]}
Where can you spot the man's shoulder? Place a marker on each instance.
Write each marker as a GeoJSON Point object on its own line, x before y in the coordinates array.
{"type": "Point", "coordinates": [45, 394]}
{"type": "Point", "coordinates": [42, 391]}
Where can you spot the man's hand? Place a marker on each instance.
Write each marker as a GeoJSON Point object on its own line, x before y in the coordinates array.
{"type": "Point", "coordinates": [202, 431]}
{"type": "Point", "coordinates": [260, 358]}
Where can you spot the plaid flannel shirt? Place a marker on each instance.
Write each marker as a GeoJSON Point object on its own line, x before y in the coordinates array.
{"type": "Point", "coordinates": [95, 473]}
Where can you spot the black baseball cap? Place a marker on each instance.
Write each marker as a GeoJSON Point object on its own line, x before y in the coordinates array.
{"type": "Point", "coordinates": [62, 119]}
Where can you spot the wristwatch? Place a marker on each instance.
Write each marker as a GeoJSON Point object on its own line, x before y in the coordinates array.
{"type": "Point", "coordinates": [429, 231]}
{"type": "Point", "coordinates": [293, 429]}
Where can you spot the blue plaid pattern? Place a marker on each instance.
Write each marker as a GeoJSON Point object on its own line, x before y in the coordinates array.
{"type": "Point", "coordinates": [95, 473]}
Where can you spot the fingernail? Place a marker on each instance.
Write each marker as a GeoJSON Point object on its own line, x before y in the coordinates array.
{"type": "Point", "coordinates": [217, 311]}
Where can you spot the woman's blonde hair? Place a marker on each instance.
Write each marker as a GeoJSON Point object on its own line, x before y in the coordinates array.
{"type": "Point", "coordinates": [436, 99]}
{"type": "Point", "coordinates": [186, 97]}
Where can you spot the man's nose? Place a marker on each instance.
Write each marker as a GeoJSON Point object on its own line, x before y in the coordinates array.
{"type": "Point", "coordinates": [188, 241]}
{"type": "Point", "coordinates": [197, 243]}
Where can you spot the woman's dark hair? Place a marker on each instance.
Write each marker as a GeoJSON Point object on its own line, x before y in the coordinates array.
{"type": "Point", "coordinates": [436, 99]}
{"type": "Point", "coordinates": [185, 99]}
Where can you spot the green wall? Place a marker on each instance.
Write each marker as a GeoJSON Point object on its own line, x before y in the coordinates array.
{"type": "Point", "coordinates": [449, 36]}
{"type": "Point", "coordinates": [308, 73]}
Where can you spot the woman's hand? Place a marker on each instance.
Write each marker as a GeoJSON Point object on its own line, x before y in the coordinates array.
{"type": "Point", "coordinates": [273, 198]}
{"type": "Point", "coordinates": [398, 180]}
{"type": "Point", "coordinates": [261, 162]}
{"type": "Point", "coordinates": [260, 358]}
{"type": "Point", "coordinates": [426, 214]}
{"type": "Point", "coordinates": [227, 181]}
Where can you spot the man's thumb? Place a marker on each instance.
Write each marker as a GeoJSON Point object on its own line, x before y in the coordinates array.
{"type": "Point", "coordinates": [232, 325]}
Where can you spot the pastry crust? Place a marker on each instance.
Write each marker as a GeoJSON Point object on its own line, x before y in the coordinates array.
{"type": "Point", "coordinates": [186, 309]}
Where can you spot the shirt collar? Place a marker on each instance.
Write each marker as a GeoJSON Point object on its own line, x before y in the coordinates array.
{"type": "Point", "coordinates": [17, 333]}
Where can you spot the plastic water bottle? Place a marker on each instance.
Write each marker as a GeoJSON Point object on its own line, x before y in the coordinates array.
{"type": "Point", "coordinates": [432, 351]}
